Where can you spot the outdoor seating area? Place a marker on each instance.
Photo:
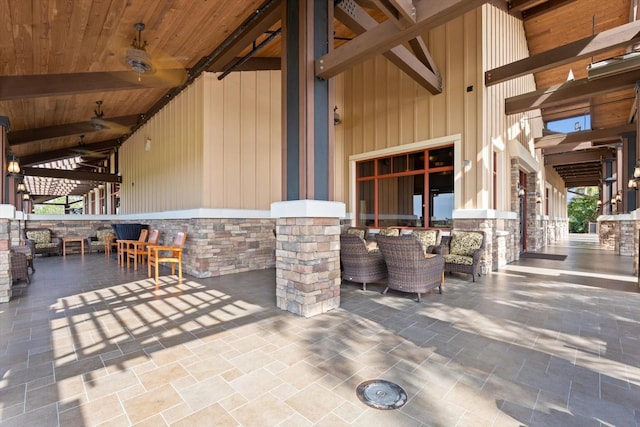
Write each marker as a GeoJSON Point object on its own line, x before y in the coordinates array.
{"type": "Point", "coordinates": [44, 242]}
{"type": "Point", "coordinates": [399, 266]}
{"type": "Point", "coordinates": [90, 344]}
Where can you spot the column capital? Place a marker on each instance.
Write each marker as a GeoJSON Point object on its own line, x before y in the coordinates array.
{"type": "Point", "coordinates": [308, 209]}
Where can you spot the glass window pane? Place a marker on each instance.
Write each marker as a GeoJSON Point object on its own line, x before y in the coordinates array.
{"type": "Point", "coordinates": [416, 161]}
{"type": "Point", "coordinates": [397, 204]}
{"type": "Point", "coordinates": [441, 199]}
{"type": "Point", "coordinates": [365, 204]}
{"type": "Point", "coordinates": [441, 157]}
{"type": "Point", "coordinates": [365, 169]}
{"type": "Point", "coordinates": [399, 164]}
{"type": "Point", "coordinates": [384, 166]}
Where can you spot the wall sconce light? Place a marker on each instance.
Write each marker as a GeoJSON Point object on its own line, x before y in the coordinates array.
{"type": "Point", "coordinates": [13, 167]}
{"type": "Point", "coordinates": [618, 198]}
{"type": "Point", "coordinates": [538, 198]}
{"type": "Point", "coordinates": [336, 116]}
{"type": "Point", "coordinates": [101, 187]}
{"type": "Point", "coordinates": [25, 196]}
{"type": "Point", "coordinates": [147, 144]}
{"type": "Point", "coordinates": [21, 188]}
{"type": "Point", "coordinates": [599, 204]}
{"type": "Point", "coordinates": [521, 192]}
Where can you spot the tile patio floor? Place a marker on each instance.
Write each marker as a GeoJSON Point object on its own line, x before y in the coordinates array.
{"type": "Point", "coordinates": [540, 342]}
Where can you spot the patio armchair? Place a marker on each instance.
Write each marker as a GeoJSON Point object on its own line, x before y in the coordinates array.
{"type": "Point", "coordinates": [171, 254]}
{"type": "Point", "coordinates": [462, 252]}
{"type": "Point", "coordinates": [137, 250]}
{"type": "Point", "coordinates": [408, 268]}
{"type": "Point", "coordinates": [43, 241]}
{"type": "Point", "coordinates": [19, 266]}
{"type": "Point", "coordinates": [28, 248]}
{"type": "Point", "coordinates": [123, 245]}
{"type": "Point", "coordinates": [98, 242]}
{"type": "Point", "coordinates": [359, 264]}
{"type": "Point", "coordinates": [429, 239]}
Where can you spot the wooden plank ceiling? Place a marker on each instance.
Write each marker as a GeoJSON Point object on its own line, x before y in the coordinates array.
{"type": "Point", "coordinates": [595, 30]}
{"type": "Point", "coordinates": [57, 59]}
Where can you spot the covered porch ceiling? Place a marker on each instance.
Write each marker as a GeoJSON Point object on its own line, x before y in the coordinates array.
{"type": "Point", "coordinates": [69, 92]}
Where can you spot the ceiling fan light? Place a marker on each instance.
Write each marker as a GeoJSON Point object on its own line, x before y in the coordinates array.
{"type": "Point", "coordinates": [139, 60]}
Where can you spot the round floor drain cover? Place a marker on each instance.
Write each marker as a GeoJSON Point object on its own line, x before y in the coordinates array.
{"type": "Point", "coordinates": [381, 394]}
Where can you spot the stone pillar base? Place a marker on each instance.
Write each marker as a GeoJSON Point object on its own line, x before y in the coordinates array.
{"type": "Point", "coordinates": [307, 257]}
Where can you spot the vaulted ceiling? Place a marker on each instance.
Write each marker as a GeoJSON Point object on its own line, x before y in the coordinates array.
{"type": "Point", "coordinates": [72, 98]}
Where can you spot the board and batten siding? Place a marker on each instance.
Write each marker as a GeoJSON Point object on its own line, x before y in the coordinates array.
{"type": "Point", "coordinates": [384, 108]}
{"type": "Point", "coordinates": [216, 145]}
{"type": "Point", "coordinates": [504, 42]}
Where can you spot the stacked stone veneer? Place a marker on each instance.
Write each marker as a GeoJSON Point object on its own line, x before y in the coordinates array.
{"type": "Point", "coordinates": [308, 265]}
{"type": "Point", "coordinates": [609, 235]}
{"type": "Point", "coordinates": [214, 246]}
{"type": "Point", "coordinates": [5, 268]}
{"type": "Point", "coordinates": [501, 240]}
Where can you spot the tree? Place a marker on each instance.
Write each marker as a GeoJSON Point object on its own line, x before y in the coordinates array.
{"type": "Point", "coordinates": [583, 209]}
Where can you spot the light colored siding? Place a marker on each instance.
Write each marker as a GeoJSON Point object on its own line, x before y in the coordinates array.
{"type": "Point", "coordinates": [216, 145]}
{"type": "Point", "coordinates": [386, 108]}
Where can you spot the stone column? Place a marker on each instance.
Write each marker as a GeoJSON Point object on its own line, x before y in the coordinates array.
{"type": "Point", "coordinates": [308, 255]}
{"type": "Point", "coordinates": [6, 213]}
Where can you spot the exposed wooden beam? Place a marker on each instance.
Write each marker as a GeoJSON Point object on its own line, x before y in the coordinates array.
{"type": "Point", "coordinates": [65, 153]}
{"type": "Point", "coordinates": [386, 35]}
{"type": "Point", "coordinates": [270, 13]}
{"type": "Point", "coordinates": [258, 64]}
{"type": "Point", "coordinates": [592, 135]}
{"type": "Point", "coordinates": [529, 8]}
{"type": "Point", "coordinates": [574, 146]}
{"type": "Point", "coordinates": [41, 85]}
{"type": "Point", "coordinates": [582, 183]}
{"type": "Point", "coordinates": [421, 52]}
{"type": "Point", "coordinates": [359, 21]}
{"type": "Point", "coordinates": [588, 167]}
{"type": "Point", "coordinates": [580, 157]}
{"type": "Point", "coordinates": [621, 36]}
{"type": "Point", "coordinates": [39, 134]}
{"type": "Point", "coordinates": [70, 174]}
{"type": "Point", "coordinates": [569, 92]}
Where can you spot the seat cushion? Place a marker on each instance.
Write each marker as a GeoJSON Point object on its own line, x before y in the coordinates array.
{"type": "Point", "coordinates": [458, 259]}
{"type": "Point", "coordinates": [101, 234]}
{"type": "Point", "coordinates": [46, 245]}
{"type": "Point", "coordinates": [465, 244]}
{"type": "Point", "coordinates": [426, 237]}
{"type": "Point", "coordinates": [357, 231]}
{"type": "Point", "coordinates": [390, 232]}
{"type": "Point", "coordinates": [39, 237]}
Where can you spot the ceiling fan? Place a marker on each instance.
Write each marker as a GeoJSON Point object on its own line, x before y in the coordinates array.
{"type": "Point", "coordinates": [152, 67]}
{"type": "Point", "coordinates": [85, 153]}
{"type": "Point", "coordinates": [99, 123]}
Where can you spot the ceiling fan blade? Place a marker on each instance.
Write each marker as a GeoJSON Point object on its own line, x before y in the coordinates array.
{"type": "Point", "coordinates": [109, 126]}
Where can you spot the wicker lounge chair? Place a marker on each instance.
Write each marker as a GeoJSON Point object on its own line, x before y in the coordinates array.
{"type": "Point", "coordinates": [462, 251]}
{"type": "Point", "coordinates": [360, 265]}
{"type": "Point", "coordinates": [19, 266]}
{"type": "Point", "coordinates": [409, 269]}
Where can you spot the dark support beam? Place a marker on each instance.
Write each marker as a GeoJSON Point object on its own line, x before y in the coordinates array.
{"type": "Point", "coordinates": [622, 36]}
{"type": "Point", "coordinates": [582, 183]}
{"type": "Point", "coordinates": [269, 13]}
{"type": "Point", "coordinates": [576, 158]}
{"type": "Point", "coordinates": [65, 153]}
{"type": "Point", "coordinates": [526, 9]}
{"type": "Point", "coordinates": [70, 174]}
{"type": "Point", "coordinates": [42, 85]}
{"type": "Point", "coordinates": [40, 134]}
{"type": "Point", "coordinates": [574, 146]}
{"type": "Point", "coordinates": [258, 64]}
{"type": "Point", "coordinates": [386, 35]}
{"type": "Point", "coordinates": [569, 92]}
{"type": "Point", "coordinates": [308, 101]}
{"type": "Point", "coordinates": [595, 135]}
{"type": "Point", "coordinates": [359, 21]}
